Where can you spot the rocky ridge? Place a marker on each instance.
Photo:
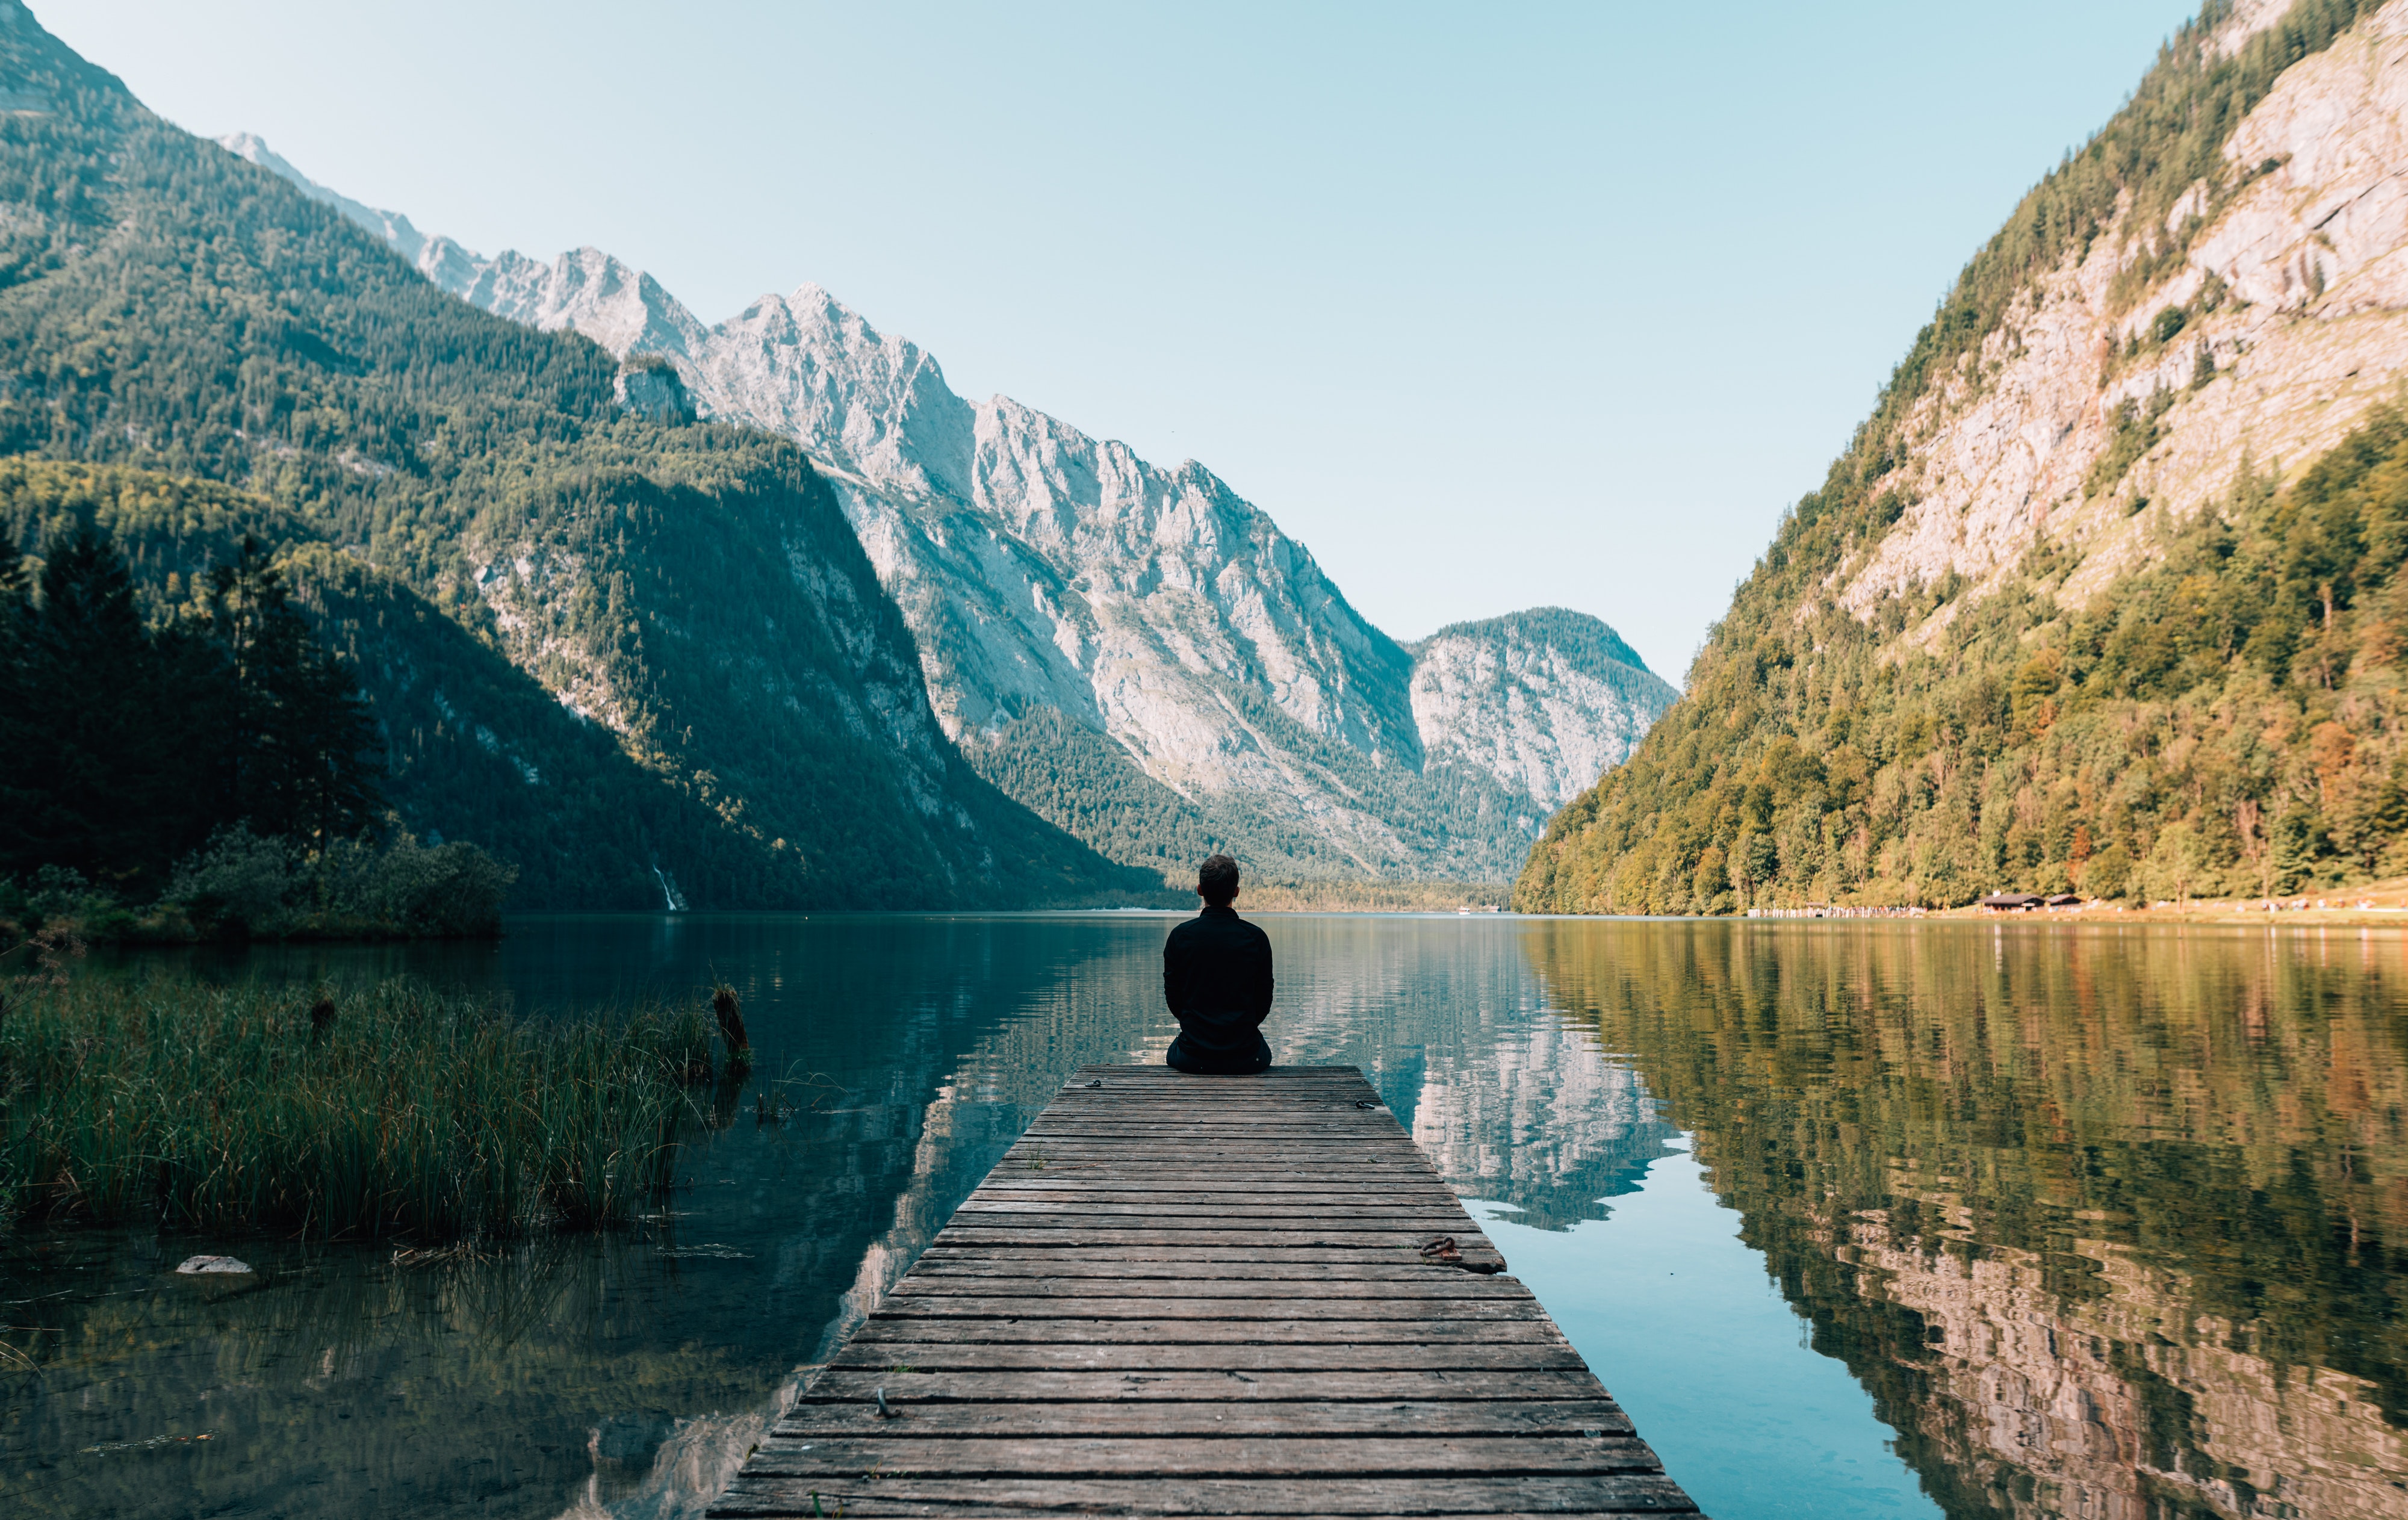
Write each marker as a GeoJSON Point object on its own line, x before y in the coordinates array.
{"type": "Point", "coordinates": [2294, 286]}
{"type": "Point", "coordinates": [1043, 571]}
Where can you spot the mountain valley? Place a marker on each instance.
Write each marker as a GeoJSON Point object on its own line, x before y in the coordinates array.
{"type": "Point", "coordinates": [1138, 654]}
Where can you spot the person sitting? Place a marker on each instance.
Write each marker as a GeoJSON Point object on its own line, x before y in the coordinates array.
{"type": "Point", "coordinates": [1216, 976]}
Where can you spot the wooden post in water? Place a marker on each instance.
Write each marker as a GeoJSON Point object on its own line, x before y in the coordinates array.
{"type": "Point", "coordinates": [1206, 1296]}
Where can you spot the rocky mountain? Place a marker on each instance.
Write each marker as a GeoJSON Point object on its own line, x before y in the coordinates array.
{"type": "Point", "coordinates": [1546, 701]}
{"type": "Point", "coordinates": [1137, 653]}
{"type": "Point", "coordinates": [645, 659]}
{"type": "Point", "coordinates": [2102, 597]}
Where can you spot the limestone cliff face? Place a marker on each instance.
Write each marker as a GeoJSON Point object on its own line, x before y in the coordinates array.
{"type": "Point", "coordinates": [2291, 278]}
{"type": "Point", "coordinates": [1042, 569]}
{"type": "Point", "coordinates": [1546, 700]}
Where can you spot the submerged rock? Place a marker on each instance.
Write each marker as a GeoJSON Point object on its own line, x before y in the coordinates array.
{"type": "Point", "coordinates": [195, 1264]}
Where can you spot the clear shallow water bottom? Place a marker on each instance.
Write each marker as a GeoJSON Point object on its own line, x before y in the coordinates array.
{"type": "Point", "coordinates": [1856, 1219]}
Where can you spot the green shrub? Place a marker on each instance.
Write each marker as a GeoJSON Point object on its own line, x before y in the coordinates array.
{"type": "Point", "coordinates": [244, 885]}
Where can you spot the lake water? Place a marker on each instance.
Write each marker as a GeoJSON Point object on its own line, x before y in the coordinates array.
{"type": "Point", "coordinates": [1861, 1218]}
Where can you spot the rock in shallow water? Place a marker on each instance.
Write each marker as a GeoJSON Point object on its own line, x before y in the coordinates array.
{"type": "Point", "coordinates": [193, 1265]}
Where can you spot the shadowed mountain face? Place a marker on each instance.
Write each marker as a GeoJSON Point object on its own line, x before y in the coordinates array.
{"type": "Point", "coordinates": [1137, 653]}
{"type": "Point", "coordinates": [677, 616]}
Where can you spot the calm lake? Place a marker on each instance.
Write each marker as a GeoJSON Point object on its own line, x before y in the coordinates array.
{"type": "Point", "coordinates": [1854, 1218]}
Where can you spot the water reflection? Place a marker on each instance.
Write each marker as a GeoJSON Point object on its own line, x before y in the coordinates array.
{"type": "Point", "coordinates": [2109, 1223]}
{"type": "Point", "coordinates": [2098, 1224]}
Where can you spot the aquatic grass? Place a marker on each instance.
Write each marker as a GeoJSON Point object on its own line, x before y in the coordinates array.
{"type": "Point", "coordinates": [406, 1112]}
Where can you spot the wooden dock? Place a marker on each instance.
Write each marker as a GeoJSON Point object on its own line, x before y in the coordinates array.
{"type": "Point", "coordinates": [1196, 1296]}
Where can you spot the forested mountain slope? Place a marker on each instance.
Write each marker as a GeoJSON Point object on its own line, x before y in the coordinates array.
{"type": "Point", "coordinates": [2102, 596]}
{"type": "Point", "coordinates": [646, 658]}
{"type": "Point", "coordinates": [1139, 654]}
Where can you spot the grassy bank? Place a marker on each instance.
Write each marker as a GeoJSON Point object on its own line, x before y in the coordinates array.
{"type": "Point", "coordinates": [392, 1109]}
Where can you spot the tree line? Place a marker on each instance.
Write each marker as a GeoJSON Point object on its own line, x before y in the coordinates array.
{"type": "Point", "coordinates": [2229, 722]}
{"type": "Point", "coordinates": [127, 743]}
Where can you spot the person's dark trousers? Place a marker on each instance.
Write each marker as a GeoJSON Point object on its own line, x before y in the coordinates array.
{"type": "Point", "coordinates": [1203, 1063]}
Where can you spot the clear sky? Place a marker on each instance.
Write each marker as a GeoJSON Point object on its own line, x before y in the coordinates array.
{"type": "Point", "coordinates": [1494, 306]}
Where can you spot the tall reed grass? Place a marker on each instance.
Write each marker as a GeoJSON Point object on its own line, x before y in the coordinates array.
{"type": "Point", "coordinates": [395, 1111]}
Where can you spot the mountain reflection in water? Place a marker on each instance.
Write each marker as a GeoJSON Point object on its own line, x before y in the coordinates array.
{"type": "Point", "coordinates": [2109, 1223]}
{"type": "Point", "coordinates": [2101, 1225]}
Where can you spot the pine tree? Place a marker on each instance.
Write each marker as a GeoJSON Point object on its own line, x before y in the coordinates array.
{"type": "Point", "coordinates": [15, 610]}
{"type": "Point", "coordinates": [303, 740]}
{"type": "Point", "coordinates": [2294, 847]}
{"type": "Point", "coordinates": [99, 767]}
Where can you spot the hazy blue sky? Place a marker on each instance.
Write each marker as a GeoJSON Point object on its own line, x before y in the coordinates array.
{"type": "Point", "coordinates": [1493, 307]}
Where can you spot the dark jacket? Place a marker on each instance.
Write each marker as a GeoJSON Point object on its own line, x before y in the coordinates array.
{"type": "Point", "coordinates": [1216, 976]}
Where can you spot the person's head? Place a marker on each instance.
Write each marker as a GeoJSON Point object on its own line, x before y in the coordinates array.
{"type": "Point", "coordinates": [1216, 881]}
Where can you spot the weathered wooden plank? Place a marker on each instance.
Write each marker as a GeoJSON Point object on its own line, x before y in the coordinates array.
{"type": "Point", "coordinates": [1063, 1331]}
{"type": "Point", "coordinates": [1169, 1265]}
{"type": "Point", "coordinates": [1121, 1071]}
{"type": "Point", "coordinates": [1288, 1098]}
{"type": "Point", "coordinates": [877, 1508]}
{"type": "Point", "coordinates": [1374, 1126]}
{"type": "Point", "coordinates": [1170, 1162]}
{"type": "Point", "coordinates": [1333, 1101]}
{"type": "Point", "coordinates": [1065, 1163]}
{"type": "Point", "coordinates": [1343, 1124]}
{"type": "Point", "coordinates": [1221, 1178]}
{"type": "Point", "coordinates": [1440, 1209]}
{"type": "Point", "coordinates": [1270, 1184]}
{"type": "Point", "coordinates": [1069, 1232]}
{"type": "Point", "coordinates": [1186, 1251]}
{"type": "Point", "coordinates": [1187, 1456]}
{"type": "Point", "coordinates": [1348, 1153]}
{"type": "Point", "coordinates": [1635, 1493]}
{"type": "Point", "coordinates": [1076, 1215]}
{"type": "Point", "coordinates": [1333, 1159]}
{"type": "Point", "coordinates": [1169, 1159]}
{"type": "Point", "coordinates": [1205, 1217]}
{"type": "Point", "coordinates": [1236, 1356]}
{"type": "Point", "coordinates": [1279, 1185]}
{"type": "Point", "coordinates": [1474, 1252]}
{"type": "Point", "coordinates": [1217, 1418]}
{"type": "Point", "coordinates": [1250, 1308]}
{"type": "Point", "coordinates": [1088, 1287]}
{"type": "Point", "coordinates": [1338, 1111]}
{"type": "Point", "coordinates": [1417, 1199]}
{"type": "Point", "coordinates": [1341, 1154]}
{"type": "Point", "coordinates": [1222, 1388]}
{"type": "Point", "coordinates": [1337, 1108]}
{"type": "Point", "coordinates": [1237, 1162]}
